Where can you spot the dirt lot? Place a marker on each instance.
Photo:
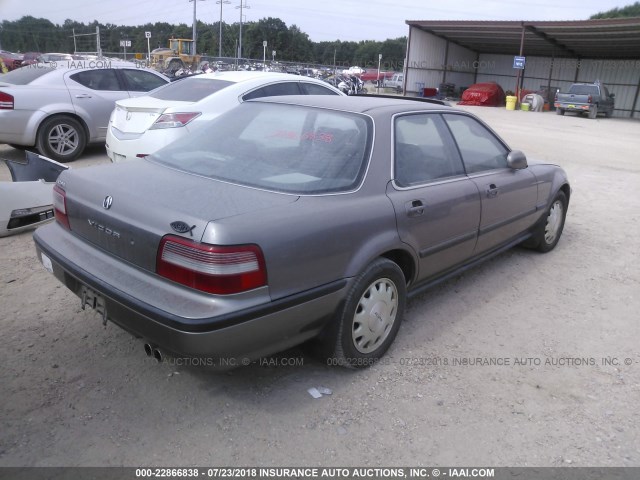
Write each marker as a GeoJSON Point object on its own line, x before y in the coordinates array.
{"type": "Point", "coordinates": [77, 394]}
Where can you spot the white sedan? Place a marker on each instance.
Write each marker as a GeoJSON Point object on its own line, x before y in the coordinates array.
{"type": "Point", "coordinates": [140, 126]}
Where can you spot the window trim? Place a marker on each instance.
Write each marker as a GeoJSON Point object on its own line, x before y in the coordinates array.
{"type": "Point", "coordinates": [491, 132]}
{"type": "Point", "coordinates": [449, 143]}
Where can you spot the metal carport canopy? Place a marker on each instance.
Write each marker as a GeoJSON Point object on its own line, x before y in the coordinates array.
{"type": "Point", "coordinates": [614, 38]}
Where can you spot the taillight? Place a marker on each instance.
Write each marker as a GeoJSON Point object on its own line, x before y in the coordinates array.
{"type": "Point", "coordinates": [60, 206]}
{"type": "Point", "coordinates": [589, 100]}
{"type": "Point", "coordinates": [213, 269]}
{"type": "Point", "coordinates": [6, 101]}
{"type": "Point", "coordinates": [556, 97]}
{"type": "Point", "coordinates": [173, 120]}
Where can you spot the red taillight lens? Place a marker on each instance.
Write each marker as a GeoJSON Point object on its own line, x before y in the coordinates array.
{"type": "Point", "coordinates": [60, 206]}
{"type": "Point", "coordinates": [590, 99]}
{"type": "Point", "coordinates": [6, 101]}
{"type": "Point", "coordinates": [221, 270]}
{"type": "Point", "coordinates": [174, 120]}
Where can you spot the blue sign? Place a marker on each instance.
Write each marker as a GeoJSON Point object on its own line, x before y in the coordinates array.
{"type": "Point", "coordinates": [518, 62]}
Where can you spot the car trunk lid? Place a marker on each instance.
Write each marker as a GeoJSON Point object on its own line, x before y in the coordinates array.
{"type": "Point", "coordinates": [126, 209]}
{"type": "Point", "coordinates": [137, 115]}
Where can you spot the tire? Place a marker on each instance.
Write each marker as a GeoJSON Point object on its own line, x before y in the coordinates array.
{"type": "Point", "coordinates": [559, 111]}
{"type": "Point", "coordinates": [369, 319]}
{"type": "Point", "coordinates": [593, 113]}
{"type": "Point", "coordinates": [61, 138]}
{"type": "Point", "coordinates": [548, 231]}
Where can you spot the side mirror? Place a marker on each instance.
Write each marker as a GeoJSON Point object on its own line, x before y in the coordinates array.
{"type": "Point", "coordinates": [517, 160]}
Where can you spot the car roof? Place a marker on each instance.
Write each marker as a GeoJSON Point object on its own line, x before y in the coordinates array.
{"type": "Point", "coordinates": [245, 76]}
{"type": "Point", "coordinates": [359, 103]}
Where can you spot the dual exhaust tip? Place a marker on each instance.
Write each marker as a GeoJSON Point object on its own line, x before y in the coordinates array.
{"type": "Point", "coordinates": [153, 351]}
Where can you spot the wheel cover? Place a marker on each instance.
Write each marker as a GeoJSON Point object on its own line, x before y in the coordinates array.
{"type": "Point", "coordinates": [63, 139]}
{"type": "Point", "coordinates": [554, 220]}
{"type": "Point", "coordinates": [375, 315]}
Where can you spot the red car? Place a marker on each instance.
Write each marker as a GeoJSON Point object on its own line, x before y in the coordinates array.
{"type": "Point", "coordinates": [10, 60]}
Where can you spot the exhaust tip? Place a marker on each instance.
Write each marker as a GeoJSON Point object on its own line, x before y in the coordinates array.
{"type": "Point", "coordinates": [148, 349]}
{"type": "Point", "coordinates": [157, 354]}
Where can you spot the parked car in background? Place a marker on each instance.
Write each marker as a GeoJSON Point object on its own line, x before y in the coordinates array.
{"type": "Point", "coordinates": [292, 218]}
{"type": "Point", "coordinates": [29, 58]}
{"type": "Point", "coordinates": [396, 82]}
{"type": "Point", "coordinates": [371, 75]}
{"type": "Point", "coordinates": [55, 57]}
{"type": "Point", "coordinates": [60, 110]}
{"type": "Point", "coordinates": [140, 126]}
{"type": "Point", "coordinates": [589, 98]}
{"type": "Point", "coordinates": [11, 61]}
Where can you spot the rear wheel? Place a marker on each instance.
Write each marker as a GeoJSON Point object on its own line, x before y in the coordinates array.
{"type": "Point", "coordinates": [548, 231]}
{"type": "Point", "coordinates": [369, 320]}
{"type": "Point", "coordinates": [61, 138]}
{"type": "Point", "coordinates": [593, 113]}
{"type": "Point", "coordinates": [559, 111]}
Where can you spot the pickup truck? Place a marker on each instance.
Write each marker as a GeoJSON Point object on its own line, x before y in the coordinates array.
{"type": "Point", "coordinates": [396, 81]}
{"type": "Point", "coordinates": [591, 98]}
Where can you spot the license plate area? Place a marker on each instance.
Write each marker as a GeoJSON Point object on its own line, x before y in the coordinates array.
{"type": "Point", "coordinates": [95, 301]}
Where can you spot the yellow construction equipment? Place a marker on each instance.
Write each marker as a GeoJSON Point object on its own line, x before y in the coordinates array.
{"type": "Point", "coordinates": [178, 56]}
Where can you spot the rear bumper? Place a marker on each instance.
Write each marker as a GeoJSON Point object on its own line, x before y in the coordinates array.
{"type": "Point", "coordinates": [248, 332]}
{"type": "Point", "coordinates": [570, 107]}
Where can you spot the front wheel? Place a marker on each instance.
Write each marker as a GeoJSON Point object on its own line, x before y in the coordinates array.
{"type": "Point", "coordinates": [547, 233]}
{"type": "Point", "coordinates": [61, 138]}
{"type": "Point", "coordinates": [369, 320]}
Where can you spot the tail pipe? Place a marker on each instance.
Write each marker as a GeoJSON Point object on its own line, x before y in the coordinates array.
{"type": "Point", "coordinates": [153, 351]}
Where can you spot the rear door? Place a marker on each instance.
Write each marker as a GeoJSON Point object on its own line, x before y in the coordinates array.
{"type": "Point", "coordinates": [508, 196]}
{"type": "Point", "coordinates": [437, 207]}
{"type": "Point", "coordinates": [94, 93]}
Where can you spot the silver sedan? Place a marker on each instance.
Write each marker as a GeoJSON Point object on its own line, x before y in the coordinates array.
{"type": "Point", "coordinates": [60, 108]}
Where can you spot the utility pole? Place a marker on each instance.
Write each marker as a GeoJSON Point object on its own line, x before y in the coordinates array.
{"type": "Point", "coordinates": [242, 5]}
{"type": "Point", "coordinates": [220, 35]}
{"type": "Point", "coordinates": [194, 35]}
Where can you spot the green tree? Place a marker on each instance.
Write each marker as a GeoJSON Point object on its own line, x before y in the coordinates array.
{"type": "Point", "coordinates": [632, 10]}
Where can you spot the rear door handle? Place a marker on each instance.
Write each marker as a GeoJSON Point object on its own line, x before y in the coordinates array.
{"type": "Point", "coordinates": [83, 95]}
{"type": "Point", "coordinates": [415, 208]}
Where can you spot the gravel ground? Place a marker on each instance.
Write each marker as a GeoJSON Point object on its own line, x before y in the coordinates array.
{"type": "Point", "coordinates": [77, 394]}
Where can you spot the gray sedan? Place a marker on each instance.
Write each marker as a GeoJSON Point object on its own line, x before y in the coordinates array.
{"type": "Point", "coordinates": [297, 218]}
{"type": "Point", "coordinates": [60, 108]}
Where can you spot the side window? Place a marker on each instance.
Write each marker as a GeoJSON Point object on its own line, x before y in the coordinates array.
{"type": "Point", "coordinates": [423, 151]}
{"type": "Point", "coordinates": [274, 90]}
{"type": "Point", "coordinates": [98, 79]}
{"type": "Point", "coordinates": [141, 81]}
{"type": "Point", "coordinates": [314, 89]}
{"type": "Point", "coordinates": [480, 149]}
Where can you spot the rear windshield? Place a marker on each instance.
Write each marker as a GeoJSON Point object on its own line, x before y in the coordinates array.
{"type": "Point", "coordinates": [25, 75]}
{"type": "Point", "coordinates": [190, 89]}
{"type": "Point", "coordinates": [283, 148]}
{"type": "Point", "coordinates": [584, 90]}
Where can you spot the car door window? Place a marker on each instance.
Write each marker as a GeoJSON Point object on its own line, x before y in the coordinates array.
{"type": "Point", "coordinates": [423, 151]}
{"type": "Point", "coordinates": [141, 81]}
{"type": "Point", "coordinates": [98, 79]}
{"type": "Point", "coordinates": [315, 89]}
{"type": "Point", "coordinates": [274, 90]}
{"type": "Point", "coordinates": [480, 149]}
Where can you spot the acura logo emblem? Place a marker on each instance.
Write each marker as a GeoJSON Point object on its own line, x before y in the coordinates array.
{"type": "Point", "coordinates": [107, 202]}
